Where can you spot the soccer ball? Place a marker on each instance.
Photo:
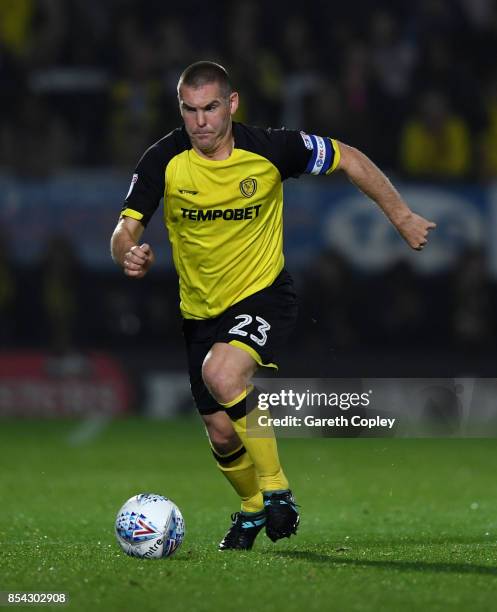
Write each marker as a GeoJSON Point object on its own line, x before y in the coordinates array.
{"type": "Point", "coordinates": [149, 526]}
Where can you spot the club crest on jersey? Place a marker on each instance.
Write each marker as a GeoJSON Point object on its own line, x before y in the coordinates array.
{"type": "Point", "coordinates": [248, 187]}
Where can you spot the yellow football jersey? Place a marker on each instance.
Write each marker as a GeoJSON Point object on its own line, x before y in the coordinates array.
{"type": "Point", "coordinates": [224, 218]}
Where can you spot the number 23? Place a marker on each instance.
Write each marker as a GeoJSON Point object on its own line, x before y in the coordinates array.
{"type": "Point", "coordinates": [247, 320]}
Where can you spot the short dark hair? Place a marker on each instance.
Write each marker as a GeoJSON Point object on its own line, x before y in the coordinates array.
{"type": "Point", "coordinates": [201, 73]}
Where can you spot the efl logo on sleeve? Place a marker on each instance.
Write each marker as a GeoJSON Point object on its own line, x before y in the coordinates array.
{"type": "Point", "coordinates": [133, 181]}
{"type": "Point", "coordinates": [307, 141]}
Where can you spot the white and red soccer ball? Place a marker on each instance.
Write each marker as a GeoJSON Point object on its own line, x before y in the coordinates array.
{"type": "Point", "coordinates": [150, 526]}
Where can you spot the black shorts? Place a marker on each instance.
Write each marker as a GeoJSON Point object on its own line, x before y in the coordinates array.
{"type": "Point", "coordinates": [260, 324]}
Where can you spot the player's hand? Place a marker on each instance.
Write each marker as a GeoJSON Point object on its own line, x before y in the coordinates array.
{"type": "Point", "coordinates": [414, 229]}
{"type": "Point", "coordinates": [138, 260]}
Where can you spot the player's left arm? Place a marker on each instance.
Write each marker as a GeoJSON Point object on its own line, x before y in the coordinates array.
{"type": "Point", "coordinates": [367, 177]}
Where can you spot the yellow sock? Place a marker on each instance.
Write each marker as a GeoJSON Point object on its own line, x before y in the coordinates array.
{"type": "Point", "coordinates": [263, 450]}
{"type": "Point", "coordinates": [240, 471]}
{"type": "Point", "coordinates": [264, 454]}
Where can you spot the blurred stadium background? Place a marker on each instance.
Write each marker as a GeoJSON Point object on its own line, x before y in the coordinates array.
{"type": "Point", "coordinates": [86, 86]}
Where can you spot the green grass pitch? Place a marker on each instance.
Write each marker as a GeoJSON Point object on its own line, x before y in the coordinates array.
{"type": "Point", "coordinates": [387, 524]}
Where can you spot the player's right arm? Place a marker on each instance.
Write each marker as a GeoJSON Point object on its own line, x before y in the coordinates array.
{"type": "Point", "coordinates": [135, 259]}
{"type": "Point", "coordinates": [146, 189]}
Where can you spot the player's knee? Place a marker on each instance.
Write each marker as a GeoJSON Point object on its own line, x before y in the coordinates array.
{"type": "Point", "coordinates": [223, 385]}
